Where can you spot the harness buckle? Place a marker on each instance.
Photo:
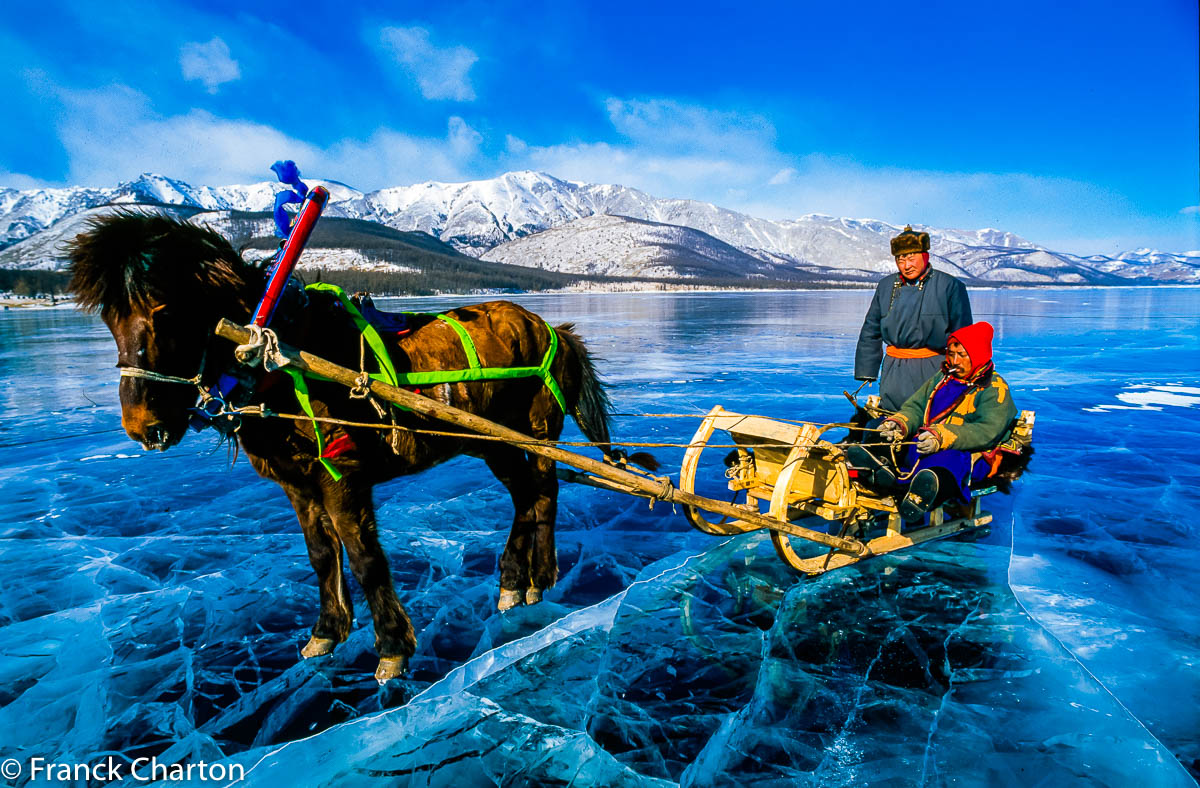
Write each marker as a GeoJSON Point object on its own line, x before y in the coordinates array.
{"type": "Point", "coordinates": [216, 407]}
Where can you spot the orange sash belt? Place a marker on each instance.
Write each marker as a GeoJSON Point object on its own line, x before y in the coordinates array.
{"type": "Point", "coordinates": [914, 352]}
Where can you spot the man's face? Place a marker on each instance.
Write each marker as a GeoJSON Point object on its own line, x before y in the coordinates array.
{"type": "Point", "coordinates": [911, 265]}
{"type": "Point", "coordinates": [957, 360]}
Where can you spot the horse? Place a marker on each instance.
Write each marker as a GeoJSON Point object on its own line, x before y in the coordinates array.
{"type": "Point", "coordinates": [160, 285]}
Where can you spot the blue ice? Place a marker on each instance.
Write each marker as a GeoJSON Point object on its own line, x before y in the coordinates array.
{"type": "Point", "coordinates": [154, 604]}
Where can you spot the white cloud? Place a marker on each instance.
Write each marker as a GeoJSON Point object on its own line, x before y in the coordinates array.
{"type": "Point", "coordinates": [1191, 210]}
{"type": "Point", "coordinates": [670, 150]}
{"type": "Point", "coordinates": [17, 180]}
{"type": "Point", "coordinates": [783, 176]}
{"type": "Point", "coordinates": [113, 134]}
{"type": "Point", "coordinates": [464, 140]}
{"type": "Point", "coordinates": [209, 63]}
{"type": "Point", "coordinates": [515, 146]}
{"type": "Point", "coordinates": [664, 124]}
{"type": "Point", "coordinates": [391, 158]}
{"type": "Point", "coordinates": [440, 73]}
{"type": "Point", "coordinates": [675, 150]}
{"type": "Point", "coordinates": [665, 148]}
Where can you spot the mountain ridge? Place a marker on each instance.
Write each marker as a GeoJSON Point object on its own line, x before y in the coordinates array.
{"type": "Point", "coordinates": [479, 217]}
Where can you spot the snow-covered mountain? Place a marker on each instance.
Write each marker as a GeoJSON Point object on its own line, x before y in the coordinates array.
{"type": "Point", "coordinates": [24, 213]}
{"type": "Point", "coordinates": [609, 245]}
{"type": "Point", "coordinates": [478, 216]}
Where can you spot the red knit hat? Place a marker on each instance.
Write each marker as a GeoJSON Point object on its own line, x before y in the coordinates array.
{"type": "Point", "coordinates": [976, 339]}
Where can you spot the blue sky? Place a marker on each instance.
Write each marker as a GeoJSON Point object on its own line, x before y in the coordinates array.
{"type": "Point", "coordinates": [1072, 124]}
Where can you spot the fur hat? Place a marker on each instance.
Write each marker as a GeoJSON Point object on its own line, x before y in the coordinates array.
{"type": "Point", "coordinates": [909, 242]}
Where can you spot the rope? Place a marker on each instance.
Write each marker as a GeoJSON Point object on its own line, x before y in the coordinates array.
{"type": "Point", "coordinates": [362, 390]}
{"type": "Point", "coordinates": [263, 347]}
{"type": "Point", "coordinates": [824, 425]}
{"type": "Point", "coordinates": [663, 493]}
{"type": "Point", "coordinates": [158, 377]}
{"type": "Point", "coordinates": [59, 438]}
{"type": "Point", "coordinates": [900, 476]}
{"type": "Point", "coordinates": [261, 412]}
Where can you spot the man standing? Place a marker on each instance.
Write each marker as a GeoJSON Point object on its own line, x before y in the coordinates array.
{"type": "Point", "coordinates": [914, 310]}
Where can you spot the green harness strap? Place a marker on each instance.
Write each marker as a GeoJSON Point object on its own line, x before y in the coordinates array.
{"type": "Point", "coordinates": [301, 386]}
{"type": "Point", "coordinates": [388, 374]}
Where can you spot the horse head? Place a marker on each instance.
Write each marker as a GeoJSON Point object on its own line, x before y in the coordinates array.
{"type": "Point", "coordinates": [160, 285]}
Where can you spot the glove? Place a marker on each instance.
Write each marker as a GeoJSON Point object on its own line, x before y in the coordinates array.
{"type": "Point", "coordinates": [928, 443]}
{"type": "Point", "coordinates": [891, 431]}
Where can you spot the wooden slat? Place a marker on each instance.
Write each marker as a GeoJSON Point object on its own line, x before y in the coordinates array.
{"type": "Point", "coordinates": [891, 542]}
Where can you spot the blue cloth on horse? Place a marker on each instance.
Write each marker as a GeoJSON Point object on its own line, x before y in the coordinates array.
{"type": "Point", "coordinates": [384, 322]}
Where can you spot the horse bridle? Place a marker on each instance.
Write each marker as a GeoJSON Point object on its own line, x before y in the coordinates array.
{"type": "Point", "coordinates": [202, 399]}
{"type": "Point", "coordinates": [261, 349]}
{"type": "Point", "coordinates": [158, 377]}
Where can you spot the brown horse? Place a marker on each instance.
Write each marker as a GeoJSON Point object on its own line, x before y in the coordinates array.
{"type": "Point", "coordinates": [160, 285]}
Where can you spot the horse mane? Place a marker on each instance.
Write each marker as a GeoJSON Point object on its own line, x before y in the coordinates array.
{"type": "Point", "coordinates": [131, 260]}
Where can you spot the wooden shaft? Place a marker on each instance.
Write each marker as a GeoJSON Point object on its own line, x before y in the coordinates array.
{"type": "Point", "coordinates": [633, 482]}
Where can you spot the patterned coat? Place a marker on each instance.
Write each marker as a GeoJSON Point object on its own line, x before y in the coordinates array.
{"type": "Point", "coordinates": [978, 421]}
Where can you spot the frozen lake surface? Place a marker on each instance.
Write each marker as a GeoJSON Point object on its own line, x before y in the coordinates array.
{"type": "Point", "coordinates": [155, 604]}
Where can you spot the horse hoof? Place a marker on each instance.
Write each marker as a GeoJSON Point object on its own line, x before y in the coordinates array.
{"type": "Point", "coordinates": [533, 596]}
{"type": "Point", "coordinates": [509, 599]}
{"type": "Point", "coordinates": [390, 668]}
{"type": "Point", "coordinates": [318, 647]}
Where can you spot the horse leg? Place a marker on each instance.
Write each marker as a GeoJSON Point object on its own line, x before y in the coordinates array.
{"type": "Point", "coordinates": [545, 423]}
{"type": "Point", "coordinates": [325, 555]}
{"type": "Point", "coordinates": [544, 566]}
{"type": "Point", "coordinates": [353, 514]}
{"type": "Point", "coordinates": [511, 467]}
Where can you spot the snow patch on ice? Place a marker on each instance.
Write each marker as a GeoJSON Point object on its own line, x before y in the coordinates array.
{"type": "Point", "coordinates": [1152, 397]}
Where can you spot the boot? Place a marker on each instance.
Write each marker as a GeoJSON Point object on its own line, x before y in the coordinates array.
{"type": "Point", "coordinates": [877, 475]}
{"type": "Point", "coordinates": [922, 492]}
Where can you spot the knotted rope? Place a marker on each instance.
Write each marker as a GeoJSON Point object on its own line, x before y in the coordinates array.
{"type": "Point", "coordinates": [362, 390]}
{"type": "Point", "coordinates": [262, 348]}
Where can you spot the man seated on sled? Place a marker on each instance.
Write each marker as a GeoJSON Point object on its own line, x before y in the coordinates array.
{"type": "Point", "coordinates": [964, 408]}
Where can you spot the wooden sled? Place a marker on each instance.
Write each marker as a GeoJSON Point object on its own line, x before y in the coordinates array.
{"type": "Point", "coordinates": [800, 478]}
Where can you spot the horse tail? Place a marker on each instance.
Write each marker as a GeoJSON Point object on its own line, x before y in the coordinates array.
{"type": "Point", "coordinates": [592, 405]}
{"type": "Point", "coordinates": [593, 408]}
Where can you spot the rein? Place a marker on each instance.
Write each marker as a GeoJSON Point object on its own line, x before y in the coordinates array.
{"type": "Point", "coordinates": [158, 377]}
